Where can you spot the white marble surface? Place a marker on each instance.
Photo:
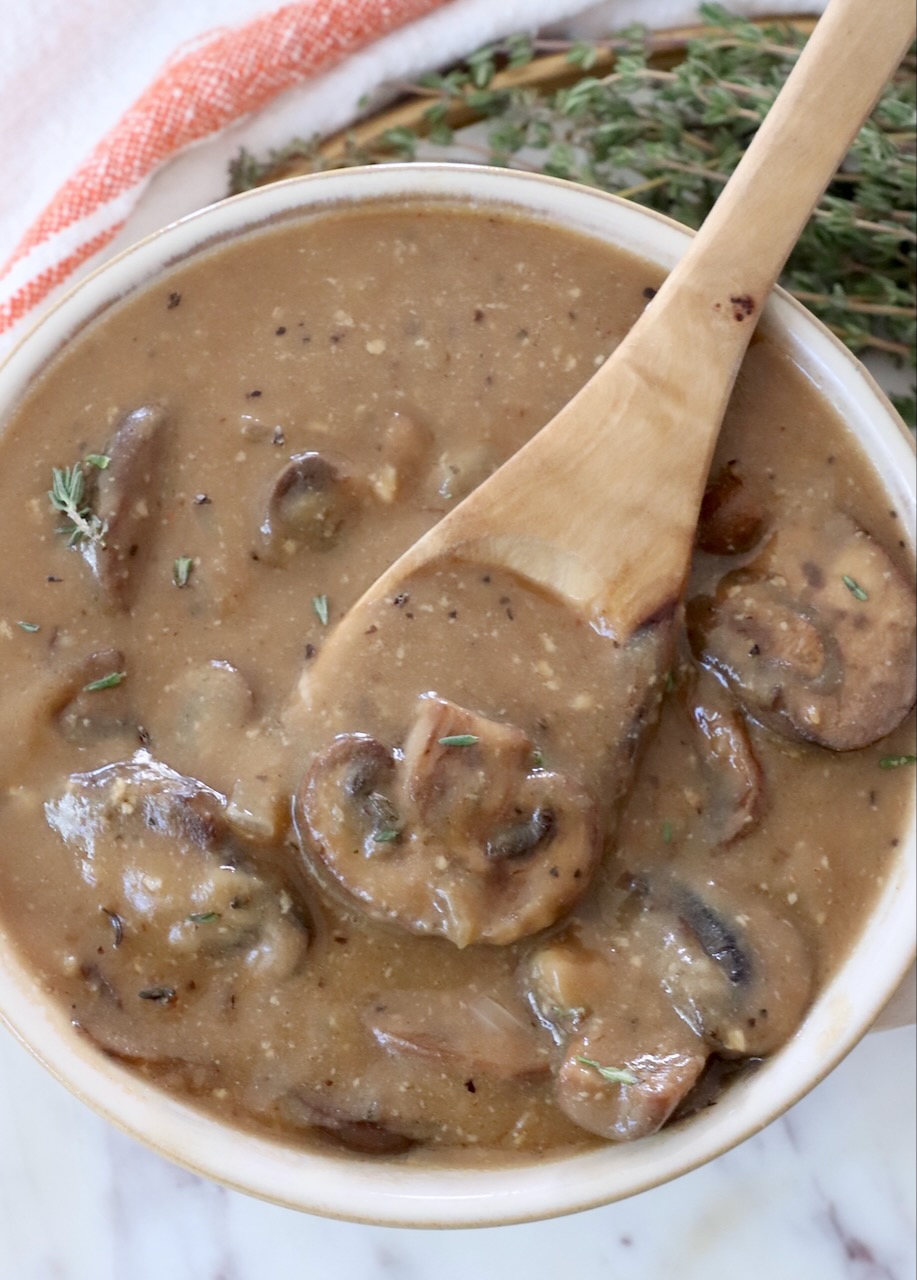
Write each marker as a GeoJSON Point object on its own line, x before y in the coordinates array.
{"type": "Point", "coordinates": [826, 1193]}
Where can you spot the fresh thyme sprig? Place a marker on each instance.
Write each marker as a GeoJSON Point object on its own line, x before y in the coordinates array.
{"type": "Point", "coordinates": [68, 496]}
{"type": "Point", "coordinates": [668, 136]}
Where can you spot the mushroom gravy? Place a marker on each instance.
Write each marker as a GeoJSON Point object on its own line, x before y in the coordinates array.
{"type": "Point", "coordinates": [437, 915]}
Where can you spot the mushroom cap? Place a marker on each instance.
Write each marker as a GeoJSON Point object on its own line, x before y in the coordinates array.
{"type": "Point", "coordinates": [195, 913]}
{"type": "Point", "coordinates": [459, 835]}
{"type": "Point", "coordinates": [734, 788]}
{"type": "Point", "coordinates": [639, 997]}
{"type": "Point", "coordinates": [126, 499]}
{"type": "Point", "coordinates": [308, 505]}
{"type": "Point", "coordinates": [815, 637]}
{"type": "Point", "coordinates": [731, 519]}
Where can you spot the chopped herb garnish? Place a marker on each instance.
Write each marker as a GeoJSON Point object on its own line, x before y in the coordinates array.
{"type": "Point", "coordinates": [68, 495]}
{"type": "Point", "coordinates": [574, 1014]}
{"type": "Point", "coordinates": [203, 917]}
{"type": "Point", "coordinates": [538, 758]}
{"type": "Point", "coordinates": [100, 461]}
{"type": "Point", "coordinates": [387, 836]}
{"type": "Point", "coordinates": [181, 571]}
{"type": "Point", "coordinates": [614, 1075]}
{"type": "Point", "coordinates": [320, 605]}
{"type": "Point", "coordinates": [895, 762]}
{"type": "Point", "coordinates": [459, 740]}
{"type": "Point", "coordinates": [668, 832]}
{"type": "Point", "coordinates": [110, 681]}
{"type": "Point", "coordinates": [162, 995]}
{"type": "Point", "coordinates": [28, 626]}
{"type": "Point", "coordinates": [854, 587]}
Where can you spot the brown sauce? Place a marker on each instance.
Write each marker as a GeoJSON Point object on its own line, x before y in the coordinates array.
{"type": "Point", "coordinates": [471, 927]}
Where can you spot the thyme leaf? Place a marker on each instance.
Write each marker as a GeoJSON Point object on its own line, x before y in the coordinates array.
{"type": "Point", "coordinates": [320, 606]}
{"type": "Point", "coordinates": [68, 496]}
{"type": "Point", "coordinates": [28, 626]}
{"type": "Point", "coordinates": [111, 681]}
{"type": "Point", "coordinates": [181, 571]}
{"type": "Point", "coordinates": [459, 740]}
{"type": "Point", "coordinates": [854, 587]}
{"type": "Point", "coordinates": [100, 461]}
{"type": "Point", "coordinates": [614, 1075]}
{"type": "Point", "coordinates": [896, 762]}
{"type": "Point", "coordinates": [386, 836]}
{"type": "Point", "coordinates": [203, 917]}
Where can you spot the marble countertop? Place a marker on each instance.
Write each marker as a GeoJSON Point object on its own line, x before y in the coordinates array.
{"type": "Point", "coordinates": [825, 1193]}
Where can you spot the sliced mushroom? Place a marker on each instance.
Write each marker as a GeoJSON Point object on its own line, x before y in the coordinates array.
{"type": "Point", "coordinates": [83, 713]}
{"type": "Point", "coordinates": [629, 1059]}
{"type": "Point", "coordinates": [312, 500]}
{"type": "Point", "coordinates": [195, 916]}
{"type": "Point", "coordinates": [640, 997]}
{"type": "Point", "coordinates": [365, 1135]}
{"type": "Point", "coordinates": [733, 795]}
{"type": "Point", "coordinates": [474, 1033]}
{"type": "Point", "coordinates": [741, 974]}
{"type": "Point", "coordinates": [731, 519]}
{"type": "Point", "coordinates": [461, 836]}
{"type": "Point", "coordinates": [126, 499]}
{"type": "Point", "coordinates": [635, 1102]}
{"type": "Point", "coordinates": [462, 770]}
{"type": "Point", "coordinates": [816, 637]}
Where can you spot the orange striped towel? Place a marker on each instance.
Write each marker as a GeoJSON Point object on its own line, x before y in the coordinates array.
{"type": "Point", "coordinates": [234, 72]}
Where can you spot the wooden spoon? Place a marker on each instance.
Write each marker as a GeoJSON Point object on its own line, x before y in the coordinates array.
{"type": "Point", "coordinates": [601, 506]}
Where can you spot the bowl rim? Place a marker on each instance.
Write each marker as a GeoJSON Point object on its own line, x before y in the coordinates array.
{"type": "Point", "coordinates": [361, 1189]}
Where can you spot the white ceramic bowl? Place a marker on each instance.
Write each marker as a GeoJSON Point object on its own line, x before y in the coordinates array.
{"type": "Point", "coordinates": [371, 1190]}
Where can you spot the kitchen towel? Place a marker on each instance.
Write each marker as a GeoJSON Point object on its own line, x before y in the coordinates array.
{"type": "Point", "coordinates": [118, 117]}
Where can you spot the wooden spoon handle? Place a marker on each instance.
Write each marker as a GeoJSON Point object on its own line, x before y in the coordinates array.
{"type": "Point", "coordinates": [602, 504]}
